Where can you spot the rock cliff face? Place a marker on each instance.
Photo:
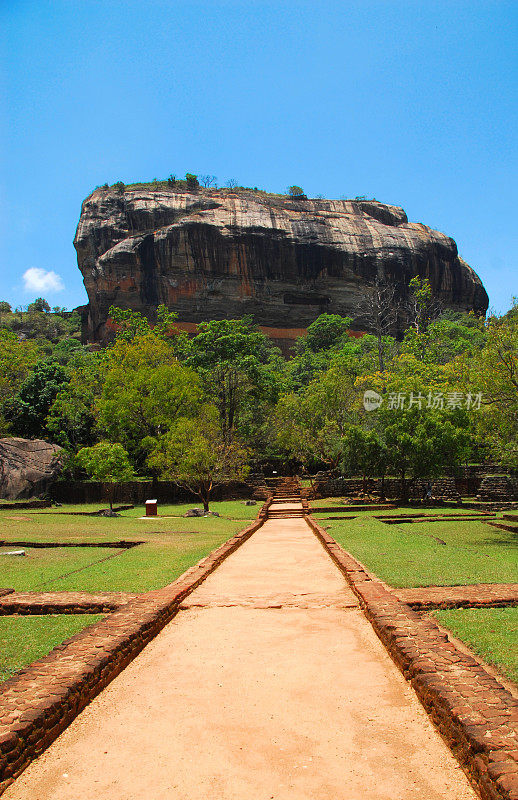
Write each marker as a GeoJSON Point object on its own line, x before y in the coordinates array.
{"type": "Point", "coordinates": [218, 254]}
{"type": "Point", "coordinates": [27, 467]}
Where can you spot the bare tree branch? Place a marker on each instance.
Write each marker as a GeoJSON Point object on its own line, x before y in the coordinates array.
{"type": "Point", "coordinates": [379, 310]}
{"type": "Point", "coordinates": [209, 180]}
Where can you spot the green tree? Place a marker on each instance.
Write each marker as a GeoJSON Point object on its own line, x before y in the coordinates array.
{"type": "Point", "coordinates": [66, 350]}
{"type": "Point", "coordinates": [5, 308]}
{"type": "Point", "coordinates": [106, 462]}
{"type": "Point", "coordinates": [448, 338]}
{"type": "Point", "coordinates": [424, 443]}
{"type": "Point", "coordinates": [195, 455]}
{"type": "Point", "coordinates": [43, 325]}
{"type": "Point", "coordinates": [422, 306]}
{"type": "Point", "coordinates": [325, 337]}
{"type": "Point", "coordinates": [17, 358]}
{"type": "Point", "coordinates": [131, 324]}
{"type": "Point", "coordinates": [40, 304]}
{"type": "Point", "coordinates": [28, 410]}
{"type": "Point", "coordinates": [364, 453]}
{"type": "Point", "coordinates": [494, 372]}
{"type": "Point", "coordinates": [309, 425]}
{"type": "Point", "coordinates": [296, 191]}
{"type": "Point", "coordinates": [71, 420]}
{"type": "Point", "coordinates": [423, 438]}
{"type": "Point", "coordinates": [327, 331]}
{"type": "Point", "coordinates": [145, 390]}
{"type": "Point", "coordinates": [240, 371]}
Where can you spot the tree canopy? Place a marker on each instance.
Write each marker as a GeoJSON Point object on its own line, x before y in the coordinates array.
{"type": "Point", "coordinates": [205, 408]}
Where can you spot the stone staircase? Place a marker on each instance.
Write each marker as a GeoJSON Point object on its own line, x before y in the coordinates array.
{"type": "Point", "coordinates": [284, 513]}
{"type": "Point", "coordinates": [286, 491]}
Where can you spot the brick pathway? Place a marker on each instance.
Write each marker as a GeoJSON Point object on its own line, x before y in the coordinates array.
{"type": "Point", "coordinates": [40, 701]}
{"type": "Point", "coordinates": [270, 683]}
{"type": "Point", "coordinates": [478, 595]}
{"type": "Point", "coordinates": [473, 711]}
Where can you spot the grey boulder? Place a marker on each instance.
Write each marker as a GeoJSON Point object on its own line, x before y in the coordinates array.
{"type": "Point", "coordinates": [28, 467]}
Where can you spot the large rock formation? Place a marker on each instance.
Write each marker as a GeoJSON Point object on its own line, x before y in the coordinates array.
{"type": "Point", "coordinates": [216, 254]}
{"type": "Point", "coordinates": [27, 467]}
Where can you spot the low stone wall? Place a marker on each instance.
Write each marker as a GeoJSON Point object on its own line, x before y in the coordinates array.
{"type": "Point", "coordinates": [17, 505]}
{"type": "Point", "coordinates": [449, 488]}
{"type": "Point", "coordinates": [137, 492]}
{"type": "Point", "coordinates": [39, 702]}
{"type": "Point", "coordinates": [471, 709]}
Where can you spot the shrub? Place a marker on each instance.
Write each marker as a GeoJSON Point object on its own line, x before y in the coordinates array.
{"type": "Point", "coordinates": [296, 191]}
{"type": "Point", "coordinates": [191, 180]}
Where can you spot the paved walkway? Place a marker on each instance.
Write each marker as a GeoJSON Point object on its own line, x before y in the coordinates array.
{"type": "Point", "coordinates": [270, 684]}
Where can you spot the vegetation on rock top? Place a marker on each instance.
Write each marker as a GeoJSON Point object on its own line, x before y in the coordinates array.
{"type": "Point", "coordinates": [194, 183]}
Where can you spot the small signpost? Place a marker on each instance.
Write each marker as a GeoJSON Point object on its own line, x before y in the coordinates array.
{"type": "Point", "coordinates": [151, 508]}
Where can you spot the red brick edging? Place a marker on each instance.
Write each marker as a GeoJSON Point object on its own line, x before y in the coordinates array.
{"type": "Point", "coordinates": [476, 715]}
{"type": "Point", "coordinates": [39, 702]}
{"type": "Point", "coordinates": [24, 603]}
{"type": "Point", "coordinates": [504, 527]}
{"type": "Point", "coordinates": [476, 595]}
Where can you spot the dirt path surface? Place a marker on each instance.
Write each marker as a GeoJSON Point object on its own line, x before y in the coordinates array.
{"type": "Point", "coordinates": [270, 684]}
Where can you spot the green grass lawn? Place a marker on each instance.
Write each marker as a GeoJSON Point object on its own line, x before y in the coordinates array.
{"type": "Point", "coordinates": [43, 570]}
{"type": "Point", "coordinates": [443, 554]}
{"type": "Point", "coordinates": [24, 639]}
{"type": "Point", "coordinates": [490, 632]}
{"type": "Point", "coordinates": [171, 545]}
{"type": "Point", "coordinates": [414, 555]}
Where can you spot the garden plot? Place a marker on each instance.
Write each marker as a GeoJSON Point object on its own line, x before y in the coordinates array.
{"type": "Point", "coordinates": [465, 554]}
{"type": "Point", "coordinates": [79, 562]}
{"type": "Point", "coordinates": [42, 568]}
{"type": "Point", "coordinates": [24, 639]}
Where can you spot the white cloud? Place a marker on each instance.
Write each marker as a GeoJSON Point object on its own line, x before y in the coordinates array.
{"type": "Point", "coordinates": [39, 280]}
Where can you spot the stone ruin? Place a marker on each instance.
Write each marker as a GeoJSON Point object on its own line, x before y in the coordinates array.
{"type": "Point", "coordinates": [445, 489]}
{"type": "Point", "coordinates": [497, 487]}
{"type": "Point", "coordinates": [258, 486]}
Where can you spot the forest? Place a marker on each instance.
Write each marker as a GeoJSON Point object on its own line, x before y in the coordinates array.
{"type": "Point", "coordinates": [214, 407]}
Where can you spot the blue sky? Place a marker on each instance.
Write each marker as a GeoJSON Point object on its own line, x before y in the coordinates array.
{"type": "Point", "coordinates": [413, 103]}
